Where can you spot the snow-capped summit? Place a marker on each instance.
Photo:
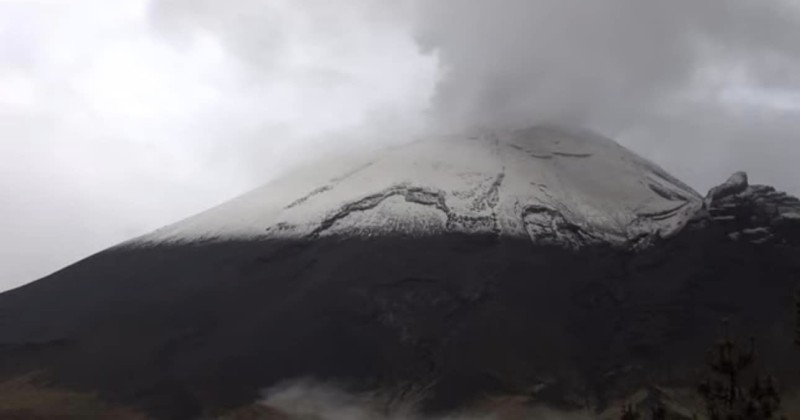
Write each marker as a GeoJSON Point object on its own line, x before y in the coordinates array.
{"type": "Point", "coordinates": [553, 185]}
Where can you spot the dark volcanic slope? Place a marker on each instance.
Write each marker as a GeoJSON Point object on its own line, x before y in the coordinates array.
{"type": "Point", "coordinates": [179, 330]}
{"type": "Point", "coordinates": [543, 259]}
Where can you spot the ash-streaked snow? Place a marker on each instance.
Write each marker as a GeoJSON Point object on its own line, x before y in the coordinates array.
{"type": "Point", "coordinates": [550, 184]}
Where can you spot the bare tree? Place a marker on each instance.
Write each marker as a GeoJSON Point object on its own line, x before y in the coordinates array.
{"type": "Point", "coordinates": [724, 395]}
{"type": "Point", "coordinates": [797, 317]}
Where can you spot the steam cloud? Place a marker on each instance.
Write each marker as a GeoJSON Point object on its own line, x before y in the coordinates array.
{"type": "Point", "coordinates": [608, 64]}
{"type": "Point", "coordinates": [701, 86]}
{"type": "Point", "coordinates": [704, 87]}
{"type": "Point", "coordinates": [308, 399]}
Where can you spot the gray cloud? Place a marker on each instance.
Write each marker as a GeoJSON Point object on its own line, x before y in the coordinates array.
{"type": "Point", "coordinates": [116, 119]}
{"type": "Point", "coordinates": [602, 63]}
{"type": "Point", "coordinates": [691, 84]}
{"type": "Point", "coordinates": [313, 76]}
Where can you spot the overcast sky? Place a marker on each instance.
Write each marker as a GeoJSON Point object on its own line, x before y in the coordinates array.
{"type": "Point", "coordinates": [117, 117]}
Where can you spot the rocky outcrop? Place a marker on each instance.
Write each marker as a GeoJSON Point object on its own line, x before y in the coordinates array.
{"type": "Point", "coordinates": [735, 184]}
{"type": "Point", "coordinates": [753, 213]}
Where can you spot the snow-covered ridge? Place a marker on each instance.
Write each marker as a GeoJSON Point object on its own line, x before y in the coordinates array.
{"type": "Point", "coordinates": [549, 184]}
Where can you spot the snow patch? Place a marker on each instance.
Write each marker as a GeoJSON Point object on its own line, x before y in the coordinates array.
{"type": "Point", "coordinates": [593, 188]}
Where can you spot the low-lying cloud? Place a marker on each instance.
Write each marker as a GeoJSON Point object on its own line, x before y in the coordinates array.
{"type": "Point", "coordinates": [308, 399]}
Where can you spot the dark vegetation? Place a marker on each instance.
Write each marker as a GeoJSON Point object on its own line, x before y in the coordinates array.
{"type": "Point", "coordinates": [725, 396]}
{"type": "Point", "coordinates": [724, 393]}
{"type": "Point", "coordinates": [30, 397]}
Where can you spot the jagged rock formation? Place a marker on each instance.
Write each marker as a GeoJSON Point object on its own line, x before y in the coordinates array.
{"type": "Point", "coordinates": [756, 213]}
{"type": "Point", "coordinates": [736, 184]}
{"type": "Point", "coordinates": [545, 259]}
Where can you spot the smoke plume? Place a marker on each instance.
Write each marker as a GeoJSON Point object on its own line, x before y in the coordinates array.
{"type": "Point", "coordinates": [701, 86]}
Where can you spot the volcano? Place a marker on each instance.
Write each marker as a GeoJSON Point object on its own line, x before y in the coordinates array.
{"type": "Point", "coordinates": [549, 262]}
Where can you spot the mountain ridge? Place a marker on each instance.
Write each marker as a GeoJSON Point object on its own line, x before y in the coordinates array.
{"type": "Point", "coordinates": [188, 327]}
